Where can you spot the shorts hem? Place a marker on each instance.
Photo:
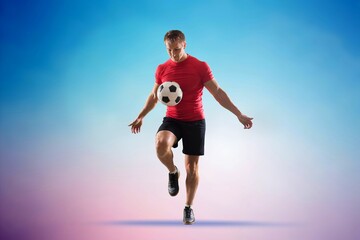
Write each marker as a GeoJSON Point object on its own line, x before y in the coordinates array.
{"type": "Point", "coordinates": [194, 154]}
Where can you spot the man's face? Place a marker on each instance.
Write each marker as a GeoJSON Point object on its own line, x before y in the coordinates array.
{"type": "Point", "coordinates": [176, 50]}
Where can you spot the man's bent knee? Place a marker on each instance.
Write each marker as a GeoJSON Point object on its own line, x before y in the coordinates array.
{"type": "Point", "coordinates": [162, 147]}
{"type": "Point", "coordinates": [164, 142]}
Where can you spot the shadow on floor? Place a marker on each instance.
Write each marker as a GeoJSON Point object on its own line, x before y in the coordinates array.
{"type": "Point", "coordinates": [198, 223]}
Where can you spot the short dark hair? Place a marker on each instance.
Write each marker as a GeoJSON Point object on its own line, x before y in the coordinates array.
{"type": "Point", "coordinates": [174, 35]}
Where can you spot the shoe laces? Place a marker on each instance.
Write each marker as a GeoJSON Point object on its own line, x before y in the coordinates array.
{"type": "Point", "coordinates": [188, 212]}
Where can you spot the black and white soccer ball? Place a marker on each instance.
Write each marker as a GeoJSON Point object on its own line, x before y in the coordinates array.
{"type": "Point", "coordinates": [169, 93]}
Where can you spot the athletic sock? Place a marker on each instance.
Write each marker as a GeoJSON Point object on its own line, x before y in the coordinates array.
{"type": "Point", "coordinates": [174, 171]}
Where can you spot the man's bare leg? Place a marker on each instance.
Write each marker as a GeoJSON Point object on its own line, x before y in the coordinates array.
{"type": "Point", "coordinates": [164, 142]}
{"type": "Point", "coordinates": [192, 182]}
{"type": "Point", "coordinates": [192, 177]}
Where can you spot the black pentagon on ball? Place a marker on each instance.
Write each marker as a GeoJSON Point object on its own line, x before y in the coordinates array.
{"type": "Point", "coordinates": [172, 88]}
{"type": "Point", "coordinates": [161, 87]}
{"type": "Point", "coordinates": [177, 100]}
{"type": "Point", "coordinates": [165, 99]}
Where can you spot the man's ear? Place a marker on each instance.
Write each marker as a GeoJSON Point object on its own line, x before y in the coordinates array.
{"type": "Point", "coordinates": [184, 44]}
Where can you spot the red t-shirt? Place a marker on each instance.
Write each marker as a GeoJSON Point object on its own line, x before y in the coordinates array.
{"type": "Point", "coordinates": [190, 74]}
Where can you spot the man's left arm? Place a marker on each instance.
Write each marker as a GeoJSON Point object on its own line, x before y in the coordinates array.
{"type": "Point", "coordinates": [220, 95]}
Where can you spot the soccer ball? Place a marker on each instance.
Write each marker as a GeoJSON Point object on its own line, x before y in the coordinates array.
{"type": "Point", "coordinates": [169, 93]}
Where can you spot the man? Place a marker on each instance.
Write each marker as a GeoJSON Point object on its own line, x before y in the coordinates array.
{"type": "Point", "coordinates": [186, 120]}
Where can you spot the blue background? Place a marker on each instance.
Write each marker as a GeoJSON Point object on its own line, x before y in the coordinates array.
{"type": "Point", "coordinates": [74, 74]}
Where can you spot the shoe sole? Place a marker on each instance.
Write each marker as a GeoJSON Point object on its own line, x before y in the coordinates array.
{"type": "Point", "coordinates": [189, 223]}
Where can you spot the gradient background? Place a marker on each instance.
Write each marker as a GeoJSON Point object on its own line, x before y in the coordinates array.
{"type": "Point", "coordinates": [74, 74]}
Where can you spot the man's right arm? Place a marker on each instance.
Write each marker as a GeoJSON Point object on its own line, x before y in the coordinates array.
{"type": "Point", "coordinates": [149, 105]}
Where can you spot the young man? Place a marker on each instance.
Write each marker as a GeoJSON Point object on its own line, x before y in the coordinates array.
{"type": "Point", "coordinates": [186, 120]}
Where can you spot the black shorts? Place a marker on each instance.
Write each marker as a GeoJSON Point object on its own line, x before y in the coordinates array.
{"type": "Point", "coordinates": [192, 134]}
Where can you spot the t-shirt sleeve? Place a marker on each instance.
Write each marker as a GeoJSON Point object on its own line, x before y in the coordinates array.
{"type": "Point", "coordinates": [207, 74]}
{"type": "Point", "coordinates": [158, 75]}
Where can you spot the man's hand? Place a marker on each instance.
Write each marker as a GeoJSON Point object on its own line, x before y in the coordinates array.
{"type": "Point", "coordinates": [246, 121]}
{"type": "Point", "coordinates": [136, 125]}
